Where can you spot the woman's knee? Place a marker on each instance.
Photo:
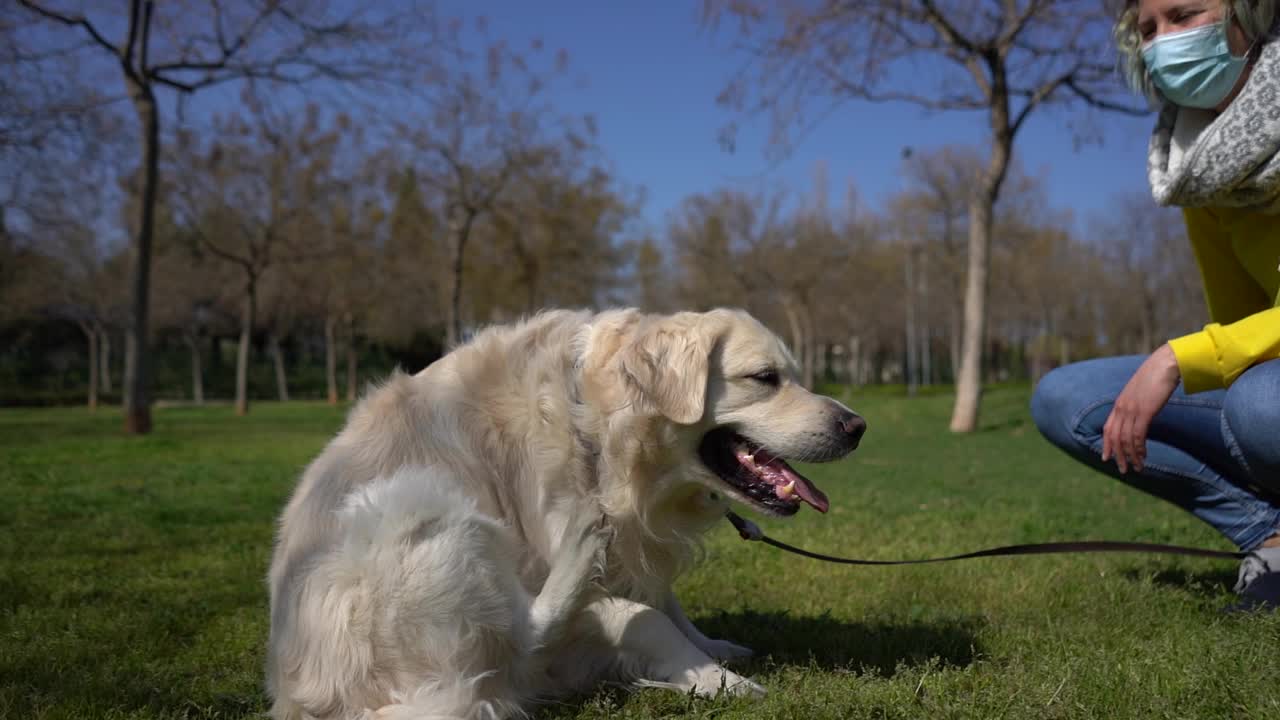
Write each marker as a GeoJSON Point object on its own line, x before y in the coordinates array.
{"type": "Point", "coordinates": [1070, 403]}
{"type": "Point", "coordinates": [1056, 402]}
{"type": "Point", "coordinates": [1252, 414]}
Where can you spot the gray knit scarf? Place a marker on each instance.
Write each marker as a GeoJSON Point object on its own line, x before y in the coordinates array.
{"type": "Point", "coordinates": [1197, 159]}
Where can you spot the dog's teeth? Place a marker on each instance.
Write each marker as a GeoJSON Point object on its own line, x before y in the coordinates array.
{"type": "Point", "coordinates": [786, 491]}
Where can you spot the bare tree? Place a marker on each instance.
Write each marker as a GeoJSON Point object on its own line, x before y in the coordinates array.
{"type": "Point", "coordinates": [938, 184]}
{"type": "Point", "coordinates": [351, 269]}
{"type": "Point", "coordinates": [734, 248]}
{"type": "Point", "coordinates": [561, 225]}
{"type": "Point", "coordinates": [73, 282]}
{"type": "Point", "coordinates": [652, 277]}
{"type": "Point", "coordinates": [1003, 58]}
{"type": "Point", "coordinates": [194, 292]}
{"type": "Point", "coordinates": [490, 121]}
{"type": "Point", "coordinates": [280, 314]}
{"type": "Point", "coordinates": [56, 192]}
{"type": "Point", "coordinates": [716, 238]}
{"type": "Point", "coordinates": [1151, 270]}
{"type": "Point", "coordinates": [188, 46]}
{"type": "Point", "coordinates": [409, 270]}
{"type": "Point", "coordinates": [249, 199]}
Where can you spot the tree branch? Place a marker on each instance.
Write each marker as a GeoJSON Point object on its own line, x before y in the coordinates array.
{"type": "Point", "coordinates": [73, 21]}
{"type": "Point", "coordinates": [948, 31]}
{"type": "Point", "coordinates": [953, 102]}
{"type": "Point", "coordinates": [135, 7]}
{"type": "Point", "coordinates": [227, 51]}
{"type": "Point", "coordinates": [1038, 96]}
{"type": "Point", "coordinates": [145, 50]}
{"type": "Point", "coordinates": [1017, 22]}
{"type": "Point", "coordinates": [177, 85]}
{"type": "Point", "coordinates": [1102, 103]}
{"type": "Point", "coordinates": [220, 252]}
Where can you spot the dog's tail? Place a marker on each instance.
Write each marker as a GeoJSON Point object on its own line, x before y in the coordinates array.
{"type": "Point", "coordinates": [450, 696]}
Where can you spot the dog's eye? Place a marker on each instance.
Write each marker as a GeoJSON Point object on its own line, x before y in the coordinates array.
{"type": "Point", "coordinates": [768, 377]}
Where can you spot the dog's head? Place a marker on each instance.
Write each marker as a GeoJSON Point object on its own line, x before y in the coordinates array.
{"type": "Point", "coordinates": [734, 411]}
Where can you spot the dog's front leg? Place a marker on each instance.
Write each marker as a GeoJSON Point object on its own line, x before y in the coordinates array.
{"type": "Point", "coordinates": [578, 560]}
{"type": "Point", "coordinates": [650, 648]}
{"type": "Point", "coordinates": [721, 650]}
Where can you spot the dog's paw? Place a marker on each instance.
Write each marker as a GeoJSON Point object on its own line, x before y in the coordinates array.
{"type": "Point", "coordinates": [584, 546]}
{"type": "Point", "coordinates": [711, 680]}
{"type": "Point", "coordinates": [590, 527]}
{"type": "Point", "coordinates": [725, 651]}
{"type": "Point", "coordinates": [598, 534]}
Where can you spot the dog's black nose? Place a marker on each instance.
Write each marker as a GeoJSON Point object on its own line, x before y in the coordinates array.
{"type": "Point", "coordinates": [853, 425]}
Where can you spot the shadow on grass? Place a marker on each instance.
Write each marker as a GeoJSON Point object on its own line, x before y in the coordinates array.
{"type": "Point", "coordinates": [1013, 423]}
{"type": "Point", "coordinates": [881, 648]}
{"type": "Point", "coordinates": [1197, 582]}
{"type": "Point", "coordinates": [822, 642]}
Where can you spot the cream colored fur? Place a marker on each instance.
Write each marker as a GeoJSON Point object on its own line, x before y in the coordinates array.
{"type": "Point", "coordinates": [505, 526]}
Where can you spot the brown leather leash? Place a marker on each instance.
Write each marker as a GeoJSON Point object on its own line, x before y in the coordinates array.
{"type": "Point", "coordinates": [750, 531]}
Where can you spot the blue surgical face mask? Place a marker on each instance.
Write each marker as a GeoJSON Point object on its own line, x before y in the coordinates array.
{"type": "Point", "coordinates": [1194, 68]}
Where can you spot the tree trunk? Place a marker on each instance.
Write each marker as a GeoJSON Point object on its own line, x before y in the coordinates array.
{"type": "Point", "coordinates": [953, 342]}
{"type": "Point", "coordinates": [909, 367]}
{"type": "Point", "coordinates": [137, 372]}
{"type": "Point", "coordinates": [215, 354]}
{"type": "Point", "coordinates": [460, 222]}
{"type": "Point", "coordinates": [809, 356]}
{"type": "Point", "coordinates": [351, 358]}
{"type": "Point", "coordinates": [331, 359]}
{"type": "Point", "coordinates": [1040, 360]}
{"type": "Point", "coordinates": [797, 332]}
{"type": "Point", "coordinates": [104, 355]}
{"type": "Point", "coordinates": [1034, 353]}
{"type": "Point", "coordinates": [529, 271]}
{"type": "Point", "coordinates": [952, 296]}
{"type": "Point", "coordinates": [531, 297]}
{"type": "Point", "coordinates": [247, 320]}
{"type": "Point", "coordinates": [855, 361]}
{"type": "Point", "coordinates": [125, 401]}
{"type": "Point", "coordinates": [925, 346]}
{"type": "Point", "coordinates": [1148, 324]}
{"type": "Point", "coordinates": [91, 335]}
{"type": "Point", "coordinates": [277, 359]}
{"type": "Point", "coordinates": [964, 417]}
{"type": "Point", "coordinates": [197, 371]}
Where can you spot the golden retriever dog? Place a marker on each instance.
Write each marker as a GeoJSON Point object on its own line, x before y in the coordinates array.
{"type": "Point", "coordinates": [504, 527]}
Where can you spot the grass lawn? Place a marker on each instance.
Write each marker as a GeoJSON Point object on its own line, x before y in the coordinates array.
{"type": "Point", "coordinates": [131, 579]}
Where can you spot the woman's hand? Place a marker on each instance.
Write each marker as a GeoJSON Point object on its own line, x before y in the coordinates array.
{"type": "Point", "coordinates": [1124, 437]}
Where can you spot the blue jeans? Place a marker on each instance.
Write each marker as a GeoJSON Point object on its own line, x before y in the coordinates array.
{"type": "Point", "coordinates": [1215, 454]}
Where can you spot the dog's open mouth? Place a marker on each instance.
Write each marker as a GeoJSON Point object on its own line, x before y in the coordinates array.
{"type": "Point", "coordinates": [758, 476]}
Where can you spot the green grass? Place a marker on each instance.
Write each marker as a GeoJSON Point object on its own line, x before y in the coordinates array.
{"type": "Point", "coordinates": [131, 579]}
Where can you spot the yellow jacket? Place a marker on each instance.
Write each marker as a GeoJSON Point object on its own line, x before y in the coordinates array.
{"type": "Point", "coordinates": [1239, 257]}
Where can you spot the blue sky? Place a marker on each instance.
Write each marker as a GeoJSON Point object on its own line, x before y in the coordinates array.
{"type": "Point", "coordinates": [650, 75]}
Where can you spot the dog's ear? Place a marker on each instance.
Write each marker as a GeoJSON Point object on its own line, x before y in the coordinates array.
{"type": "Point", "coordinates": [666, 363]}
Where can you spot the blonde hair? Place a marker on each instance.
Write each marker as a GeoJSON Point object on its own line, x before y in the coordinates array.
{"type": "Point", "coordinates": [1257, 19]}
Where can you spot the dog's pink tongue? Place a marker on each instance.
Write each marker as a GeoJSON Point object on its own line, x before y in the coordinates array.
{"type": "Point", "coordinates": [805, 489]}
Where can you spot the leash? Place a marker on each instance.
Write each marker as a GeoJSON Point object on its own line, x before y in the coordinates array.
{"type": "Point", "coordinates": [750, 531]}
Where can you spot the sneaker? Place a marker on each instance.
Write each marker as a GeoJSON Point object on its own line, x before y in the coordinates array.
{"type": "Point", "coordinates": [1258, 584]}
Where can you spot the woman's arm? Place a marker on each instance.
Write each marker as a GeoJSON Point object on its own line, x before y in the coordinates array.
{"type": "Point", "coordinates": [1245, 332]}
{"type": "Point", "coordinates": [1211, 358]}
{"type": "Point", "coordinates": [1124, 436]}
{"type": "Point", "coordinates": [1246, 326]}
{"type": "Point", "coordinates": [1214, 357]}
